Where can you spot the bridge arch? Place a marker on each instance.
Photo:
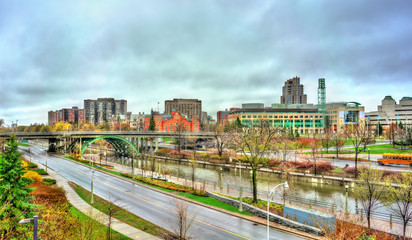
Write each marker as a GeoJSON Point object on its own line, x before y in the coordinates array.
{"type": "Point", "coordinates": [108, 138]}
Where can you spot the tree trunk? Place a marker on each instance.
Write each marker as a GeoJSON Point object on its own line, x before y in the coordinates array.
{"type": "Point", "coordinates": [254, 183]}
{"type": "Point", "coordinates": [356, 164]}
{"type": "Point", "coordinates": [404, 230]}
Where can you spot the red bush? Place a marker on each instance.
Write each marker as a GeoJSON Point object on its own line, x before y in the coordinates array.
{"type": "Point", "coordinates": [324, 165]}
{"type": "Point", "coordinates": [304, 165]}
{"type": "Point", "coordinates": [350, 170]}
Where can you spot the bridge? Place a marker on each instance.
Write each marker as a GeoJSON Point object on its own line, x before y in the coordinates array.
{"type": "Point", "coordinates": [124, 142]}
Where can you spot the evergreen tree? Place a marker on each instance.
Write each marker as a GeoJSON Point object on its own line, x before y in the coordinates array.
{"type": "Point", "coordinates": [238, 123]}
{"type": "Point", "coordinates": [152, 125]}
{"type": "Point", "coordinates": [13, 186]}
{"type": "Point", "coordinates": [379, 129]}
{"type": "Point", "coordinates": [400, 125]}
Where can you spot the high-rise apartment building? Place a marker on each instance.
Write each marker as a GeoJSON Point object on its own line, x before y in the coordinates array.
{"type": "Point", "coordinates": [73, 115]}
{"type": "Point", "coordinates": [292, 92]}
{"type": "Point", "coordinates": [103, 109]}
{"type": "Point", "coordinates": [188, 107]}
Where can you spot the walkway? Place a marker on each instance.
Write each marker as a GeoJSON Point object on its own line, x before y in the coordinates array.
{"type": "Point", "coordinates": [92, 212]}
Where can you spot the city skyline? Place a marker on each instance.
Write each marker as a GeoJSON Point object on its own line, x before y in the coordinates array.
{"type": "Point", "coordinates": [55, 55]}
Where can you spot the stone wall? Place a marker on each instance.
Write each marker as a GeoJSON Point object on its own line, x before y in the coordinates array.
{"type": "Point", "coordinates": [272, 217]}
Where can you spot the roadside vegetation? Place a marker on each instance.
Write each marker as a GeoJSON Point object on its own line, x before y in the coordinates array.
{"type": "Point", "coordinates": [23, 195]}
{"type": "Point", "coordinates": [114, 211]}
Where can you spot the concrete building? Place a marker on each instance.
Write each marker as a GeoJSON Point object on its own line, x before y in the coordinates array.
{"type": "Point", "coordinates": [390, 112]}
{"type": "Point", "coordinates": [72, 115]}
{"type": "Point", "coordinates": [340, 114]}
{"type": "Point", "coordinates": [302, 120]}
{"type": "Point", "coordinates": [292, 92]}
{"type": "Point", "coordinates": [188, 107]}
{"type": "Point", "coordinates": [103, 109]}
{"type": "Point", "coordinates": [221, 116]}
{"type": "Point", "coordinates": [137, 121]}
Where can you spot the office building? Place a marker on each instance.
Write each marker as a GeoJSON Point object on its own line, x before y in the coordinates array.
{"type": "Point", "coordinates": [292, 92]}
{"type": "Point", "coordinates": [103, 109]}
{"type": "Point", "coordinates": [390, 112]}
{"type": "Point", "coordinates": [188, 107]}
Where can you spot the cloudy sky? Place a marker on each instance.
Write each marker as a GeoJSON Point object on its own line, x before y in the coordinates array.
{"type": "Point", "coordinates": [55, 54]}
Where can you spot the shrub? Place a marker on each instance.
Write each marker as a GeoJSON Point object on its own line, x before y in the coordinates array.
{"type": "Point", "coordinates": [303, 165]}
{"type": "Point", "coordinates": [168, 185]}
{"type": "Point", "coordinates": [32, 165]}
{"type": "Point", "coordinates": [164, 150]}
{"type": "Point", "coordinates": [40, 171]}
{"type": "Point", "coordinates": [49, 181]}
{"type": "Point", "coordinates": [33, 175]}
{"type": "Point", "coordinates": [350, 170]}
{"type": "Point", "coordinates": [324, 165]}
{"type": "Point", "coordinates": [391, 174]}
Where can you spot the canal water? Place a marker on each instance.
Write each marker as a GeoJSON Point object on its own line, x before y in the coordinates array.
{"type": "Point", "coordinates": [313, 194]}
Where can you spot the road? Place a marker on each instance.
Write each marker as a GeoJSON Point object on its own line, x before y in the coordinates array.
{"type": "Point", "coordinates": [157, 207]}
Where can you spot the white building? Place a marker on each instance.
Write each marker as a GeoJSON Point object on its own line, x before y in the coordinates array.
{"type": "Point", "coordinates": [390, 112]}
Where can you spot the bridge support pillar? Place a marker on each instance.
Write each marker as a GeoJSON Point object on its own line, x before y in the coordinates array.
{"type": "Point", "coordinates": [156, 144]}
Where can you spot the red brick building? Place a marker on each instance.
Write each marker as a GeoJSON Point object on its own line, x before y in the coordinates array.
{"type": "Point", "coordinates": [173, 122]}
{"type": "Point", "coordinates": [72, 115]}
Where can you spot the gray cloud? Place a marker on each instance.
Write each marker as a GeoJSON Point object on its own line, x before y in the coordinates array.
{"type": "Point", "coordinates": [55, 54]}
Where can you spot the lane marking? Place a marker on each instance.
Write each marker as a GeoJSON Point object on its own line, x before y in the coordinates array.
{"type": "Point", "coordinates": [142, 199]}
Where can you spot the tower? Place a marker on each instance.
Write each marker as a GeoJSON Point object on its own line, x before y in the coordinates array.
{"type": "Point", "coordinates": [322, 100]}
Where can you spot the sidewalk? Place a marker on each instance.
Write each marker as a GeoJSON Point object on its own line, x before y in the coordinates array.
{"type": "Point", "coordinates": [377, 224]}
{"type": "Point", "coordinates": [92, 212]}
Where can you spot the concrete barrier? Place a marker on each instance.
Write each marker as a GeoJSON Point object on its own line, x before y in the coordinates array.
{"type": "Point", "coordinates": [272, 217]}
{"type": "Point", "coordinates": [310, 217]}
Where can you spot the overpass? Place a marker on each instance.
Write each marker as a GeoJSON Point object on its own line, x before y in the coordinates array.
{"type": "Point", "coordinates": [124, 142]}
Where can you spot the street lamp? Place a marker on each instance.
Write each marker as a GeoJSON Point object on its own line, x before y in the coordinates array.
{"type": "Point", "coordinates": [241, 188]}
{"type": "Point", "coordinates": [346, 202]}
{"type": "Point", "coordinates": [270, 195]}
{"type": "Point", "coordinates": [91, 184]}
{"type": "Point", "coordinates": [28, 220]}
{"type": "Point", "coordinates": [369, 154]}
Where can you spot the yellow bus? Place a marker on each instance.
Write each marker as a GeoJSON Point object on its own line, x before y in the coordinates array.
{"type": "Point", "coordinates": [395, 158]}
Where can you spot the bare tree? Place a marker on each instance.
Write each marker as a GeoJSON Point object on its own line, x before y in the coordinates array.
{"type": "Point", "coordinates": [254, 143]}
{"type": "Point", "coordinates": [356, 135]}
{"type": "Point", "coordinates": [399, 198]}
{"type": "Point", "coordinates": [369, 190]}
{"type": "Point", "coordinates": [221, 137]}
{"type": "Point", "coordinates": [338, 141]}
{"type": "Point", "coordinates": [111, 210]}
{"type": "Point", "coordinates": [183, 220]}
{"type": "Point", "coordinates": [314, 146]}
{"type": "Point", "coordinates": [326, 140]}
{"type": "Point", "coordinates": [283, 147]}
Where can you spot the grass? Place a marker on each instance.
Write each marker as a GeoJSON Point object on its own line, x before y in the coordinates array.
{"type": "Point", "coordinates": [337, 170]}
{"type": "Point", "coordinates": [23, 144]}
{"type": "Point", "coordinates": [115, 235]}
{"type": "Point", "coordinates": [120, 213]}
{"type": "Point", "coordinates": [213, 202]}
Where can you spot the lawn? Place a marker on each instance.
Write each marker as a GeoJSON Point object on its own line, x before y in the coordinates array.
{"type": "Point", "coordinates": [82, 217]}
{"type": "Point", "coordinates": [119, 213]}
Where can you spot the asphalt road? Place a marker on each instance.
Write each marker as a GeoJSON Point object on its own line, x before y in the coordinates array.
{"type": "Point", "coordinates": [158, 207]}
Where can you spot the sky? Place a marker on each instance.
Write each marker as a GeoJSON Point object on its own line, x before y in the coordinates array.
{"type": "Point", "coordinates": [55, 54]}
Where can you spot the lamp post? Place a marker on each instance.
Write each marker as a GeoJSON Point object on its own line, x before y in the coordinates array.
{"type": "Point", "coordinates": [270, 195]}
{"type": "Point", "coordinates": [241, 188]}
{"type": "Point", "coordinates": [28, 220]}
{"type": "Point", "coordinates": [91, 184]}
{"type": "Point", "coordinates": [346, 200]}
{"type": "Point", "coordinates": [369, 154]}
